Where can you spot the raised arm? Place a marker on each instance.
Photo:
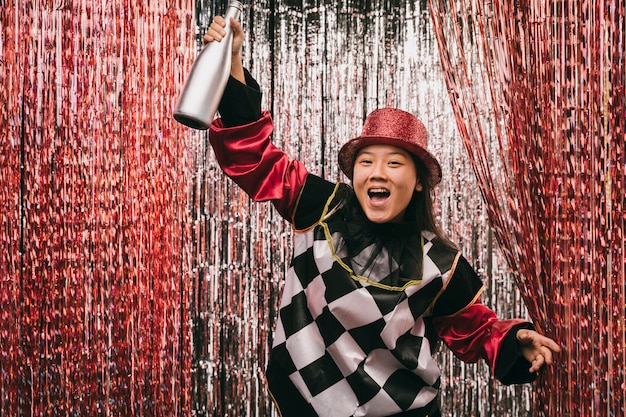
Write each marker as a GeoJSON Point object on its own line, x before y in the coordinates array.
{"type": "Point", "coordinates": [241, 136]}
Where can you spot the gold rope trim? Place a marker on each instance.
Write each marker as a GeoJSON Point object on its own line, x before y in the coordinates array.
{"type": "Point", "coordinates": [445, 285]}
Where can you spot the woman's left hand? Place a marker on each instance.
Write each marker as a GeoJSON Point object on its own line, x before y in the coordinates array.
{"type": "Point", "coordinates": [536, 348]}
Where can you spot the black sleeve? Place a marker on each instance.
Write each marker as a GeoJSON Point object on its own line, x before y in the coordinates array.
{"type": "Point", "coordinates": [462, 289]}
{"type": "Point", "coordinates": [313, 198]}
{"type": "Point", "coordinates": [511, 366]}
{"type": "Point", "coordinates": [241, 103]}
{"type": "Point", "coordinates": [465, 284]}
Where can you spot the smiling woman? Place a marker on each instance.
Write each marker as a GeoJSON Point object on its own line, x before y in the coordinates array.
{"type": "Point", "coordinates": [384, 178]}
{"type": "Point", "coordinates": [134, 277]}
{"type": "Point", "coordinates": [369, 291]}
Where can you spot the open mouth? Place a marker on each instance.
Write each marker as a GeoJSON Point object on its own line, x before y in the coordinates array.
{"type": "Point", "coordinates": [378, 194]}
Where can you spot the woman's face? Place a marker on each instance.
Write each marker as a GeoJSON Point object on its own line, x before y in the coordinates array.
{"type": "Point", "coordinates": [384, 180]}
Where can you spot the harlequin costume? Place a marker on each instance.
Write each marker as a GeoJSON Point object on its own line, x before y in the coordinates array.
{"type": "Point", "coordinates": [359, 318]}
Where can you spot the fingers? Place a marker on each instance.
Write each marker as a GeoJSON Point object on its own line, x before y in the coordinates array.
{"type": "Point", "coordinates": [546, 353]}
{"type": "Point", "coordinates": [551, 344]}
{"type": "Point", "coordinates": [534, 338]}
{"type": "Point", "coordinates": [236, 26]}
{"type": "Point", "coordinates": [537, 363]}
{"type": "Point", "coordinates": [543, 357]}
{"type": "Point", "coordinates": [538, 349]}
{"type": "Point", "coordinates": [216, 31]}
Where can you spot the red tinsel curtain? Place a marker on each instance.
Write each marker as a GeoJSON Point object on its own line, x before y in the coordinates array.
{"type": "Point", "coordinates": [94, 312]}
{"type": "Point", "coordinates": [135, 280]}
{"type": "Point", "coordinates": [537, 88]}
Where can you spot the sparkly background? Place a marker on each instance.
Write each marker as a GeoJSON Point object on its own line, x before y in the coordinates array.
{"type": "Point", "coordinates": [136, 280]}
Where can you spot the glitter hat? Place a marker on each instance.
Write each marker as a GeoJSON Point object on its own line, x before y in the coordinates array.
{"type": "Point", "coordinates": [391, 127]}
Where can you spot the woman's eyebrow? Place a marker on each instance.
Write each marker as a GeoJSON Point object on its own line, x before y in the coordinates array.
{"type": "Point", "coordinates": [399, 152]}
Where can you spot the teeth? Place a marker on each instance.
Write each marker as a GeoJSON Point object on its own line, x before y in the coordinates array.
{"type": "Point", "coordinates": [378, 191]}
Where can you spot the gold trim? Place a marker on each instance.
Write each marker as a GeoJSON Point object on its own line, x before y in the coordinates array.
{"type": "Point", "coordinates": [470, 304]}
{"type": "Point", "coordinates": [273, 399]}
{"type": "Point", "coordinates": [450, 273]}
{"type": "Point", "coordinates": [324, 213]}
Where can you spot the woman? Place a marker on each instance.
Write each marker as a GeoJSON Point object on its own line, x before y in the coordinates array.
{"type": "Point", "coordinates": [373, 283]}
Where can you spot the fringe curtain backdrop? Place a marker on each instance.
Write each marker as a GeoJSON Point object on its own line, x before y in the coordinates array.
{"type": "Point", "coordinates": [137, 280]}
{"type": "Point", "coordinates": [94, 287]}
{"type": "Point", "coordinates": [540, 96]}
{"type": "Point", "coordinates": [323, 66]}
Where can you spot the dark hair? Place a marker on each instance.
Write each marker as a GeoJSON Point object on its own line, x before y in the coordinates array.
{"type": "Point", "coordinates": [422, 205]}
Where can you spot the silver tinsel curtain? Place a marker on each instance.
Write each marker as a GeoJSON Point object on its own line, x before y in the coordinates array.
{"type": "Point", "coordinates": [323, 66]}
{"type": "Point", "coordinates": [135, 279]}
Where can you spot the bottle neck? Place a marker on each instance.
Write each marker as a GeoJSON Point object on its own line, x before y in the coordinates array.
{"type": "Point", "coordinates": [234, 10]}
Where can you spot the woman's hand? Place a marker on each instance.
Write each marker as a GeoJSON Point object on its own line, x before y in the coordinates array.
{"type": "Point", "coordinates": [537, 349]}
{"type": "Point", "coordinates": [216, 33]}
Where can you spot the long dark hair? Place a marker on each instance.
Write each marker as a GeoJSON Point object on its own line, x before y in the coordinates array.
{"type": "Point", "coordinates": [422, 205]}
{"type": "Point", "coordinates": [401, 241]}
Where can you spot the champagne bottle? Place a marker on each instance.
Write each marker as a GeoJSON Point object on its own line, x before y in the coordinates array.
{"type": "Point", "coordinates": [203, 90]}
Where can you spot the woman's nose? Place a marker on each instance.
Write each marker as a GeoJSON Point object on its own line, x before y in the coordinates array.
{"type": "Point", "coordinates": [379, 171]}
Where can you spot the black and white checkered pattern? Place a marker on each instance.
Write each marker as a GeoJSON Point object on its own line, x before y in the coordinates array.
{"type": "Point", "coordinates": [353, 347]}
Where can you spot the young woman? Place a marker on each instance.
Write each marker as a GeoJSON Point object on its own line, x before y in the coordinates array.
{"type": "Point", "coordinates": [373, 284]}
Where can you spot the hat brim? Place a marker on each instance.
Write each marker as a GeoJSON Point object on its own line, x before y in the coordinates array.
{"type": "Point", "coordinates": [349, 150]}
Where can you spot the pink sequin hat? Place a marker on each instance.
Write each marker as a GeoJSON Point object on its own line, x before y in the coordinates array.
{"type": "Point", "coordinates": [392, 127]}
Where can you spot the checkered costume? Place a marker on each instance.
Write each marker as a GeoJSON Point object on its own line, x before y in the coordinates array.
{"type": "Point", "coordinates": [352, 336]}
{"type": "Point", "coordinates": [363, 305]}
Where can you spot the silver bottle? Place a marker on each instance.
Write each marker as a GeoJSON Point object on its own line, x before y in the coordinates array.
{"type": "Point", "coordinates": [203, 90]}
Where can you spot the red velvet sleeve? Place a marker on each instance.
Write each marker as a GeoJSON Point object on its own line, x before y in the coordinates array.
{"type": "Point", "coordinates": [247, 155]}
{"type": "Point", "coordinates": [475, 333]}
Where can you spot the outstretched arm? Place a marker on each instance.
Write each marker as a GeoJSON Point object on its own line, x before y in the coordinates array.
{"type": "Point", "coordinates": [513, 349]}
